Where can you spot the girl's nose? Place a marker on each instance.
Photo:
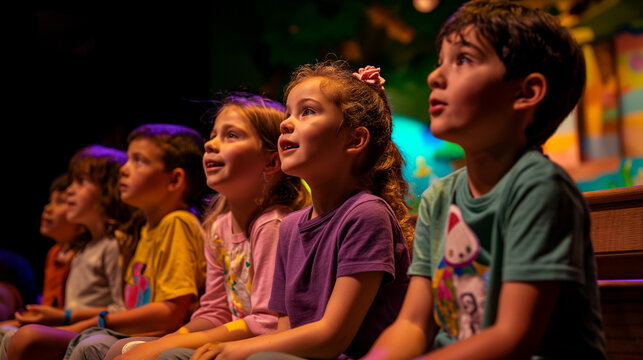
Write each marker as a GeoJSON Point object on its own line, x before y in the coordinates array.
{"type": "Point", "coordinates": [212, 145]}
{"type": "Point", "coordinates": [286, 126]}
{"type": "Point", "coordinates": [124, 171]}
{"type": "Point", "coordinates": [435, 79]}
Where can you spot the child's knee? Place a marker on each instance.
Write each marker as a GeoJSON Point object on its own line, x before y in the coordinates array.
{"type": "Point", "coordinates": [17, 343]}
{"type": "Point", "coordinates": [25, 336]}
{"type": "Point", "coordinates": [89, 350]}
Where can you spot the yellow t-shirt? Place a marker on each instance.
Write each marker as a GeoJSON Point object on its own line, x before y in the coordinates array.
{"type": "Point", "coordinates": [168, 261]}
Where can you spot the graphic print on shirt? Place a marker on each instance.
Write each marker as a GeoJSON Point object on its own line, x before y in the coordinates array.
{"type": "Point", "coordinates": [460, 282]}
{"type": "Point", "coordinates": [237, 272]}
{"type": "Point", "coordinates": [138, 293]}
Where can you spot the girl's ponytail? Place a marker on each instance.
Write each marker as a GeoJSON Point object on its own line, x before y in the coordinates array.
{"type": "Point", "coordinates": [385, 180]}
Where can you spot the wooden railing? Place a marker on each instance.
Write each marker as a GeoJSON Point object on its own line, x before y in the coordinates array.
{"type": "Point", "coordinates": [617, 237]}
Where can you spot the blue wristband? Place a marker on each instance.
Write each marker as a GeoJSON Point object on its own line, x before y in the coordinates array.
{"type": "Point", "coordinates": [67, 319]}
{"type": "Point", "coordinates": [101, 318]}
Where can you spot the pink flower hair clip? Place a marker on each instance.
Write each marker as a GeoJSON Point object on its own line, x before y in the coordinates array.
{"type": "Point", "coordinates": [371, 75]}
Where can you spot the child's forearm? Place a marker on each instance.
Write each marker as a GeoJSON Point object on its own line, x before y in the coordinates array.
{"type": "Point", "coordinates": [152, 350]}
{"type": "Point", "coordinates": [404, 332]}
{"type": "Point", "coordinates": [199, 324]}
{"type": "Point", "coordinates": [235, 330]}
{"type": "Point", "coordinates": [164, 316]}
{"type": "Point", "coordinates": [83, 314]}
{"type": "Point", "coordinates": [314, 340]}
{"type": "Point", "coordinates": [491, 343]}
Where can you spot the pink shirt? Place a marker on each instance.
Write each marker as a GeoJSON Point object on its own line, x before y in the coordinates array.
{"type": "Point", "coordinates": [240, 271]}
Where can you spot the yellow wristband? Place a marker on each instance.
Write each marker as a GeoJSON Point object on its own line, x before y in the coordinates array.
{"type": "Point", "coordinates": [236, 325]}
{"type": "Point", "coordinates": [183, 330]}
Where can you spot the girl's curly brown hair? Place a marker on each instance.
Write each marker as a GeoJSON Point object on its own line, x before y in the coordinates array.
{"type": "Point", "coordinates": [364, 104]}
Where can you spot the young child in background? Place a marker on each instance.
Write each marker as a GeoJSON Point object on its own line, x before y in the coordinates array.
{"type": "Point", "coordinates": [340, 274]}
{"type": "Point", "coordinates": [68, 236]}
{"type": "Point", "coordinates": [242, 164]}
{"type": "Point", "coordinates": [503, 262]}
{"type": "Point", "coordinates": [94, 283]}
{"type": "Point", "coordinates": [163, 178]}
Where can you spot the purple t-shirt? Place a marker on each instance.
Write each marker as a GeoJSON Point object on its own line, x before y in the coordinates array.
{"type": "Point", "coordinates": [360, 235]}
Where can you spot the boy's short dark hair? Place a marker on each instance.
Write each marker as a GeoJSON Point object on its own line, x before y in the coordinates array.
{"type": "Point", "coordinates": [528, 41]}
{"type": "Point", "coordinates": [182, 148]}
{"type": "Point", "coordinates": [60, 183]}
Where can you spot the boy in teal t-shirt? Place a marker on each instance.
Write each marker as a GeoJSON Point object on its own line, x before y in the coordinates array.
{"type": "Point", "coordinates": [503, 265]}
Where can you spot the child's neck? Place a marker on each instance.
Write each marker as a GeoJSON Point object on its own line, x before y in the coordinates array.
{"type": "Point", "coordinates": [97, 229]}
{"type": "Point", "coordinates": [327, 195]}
{"type": "Point", "coordinates": [63, 245]}
{"type": "Point", "coordinates": [243, 211]}
{"type": "Point", "coordinates": [154, 215]}
{"type": "Point", "coordinates": [485, 169]}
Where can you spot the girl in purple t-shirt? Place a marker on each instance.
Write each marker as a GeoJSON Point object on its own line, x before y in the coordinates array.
{"type": "Point", "coordinates": [340, 273]}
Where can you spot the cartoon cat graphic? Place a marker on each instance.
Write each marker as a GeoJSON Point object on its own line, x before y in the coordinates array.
{"type": "Point", "coordinates": [459, 285]}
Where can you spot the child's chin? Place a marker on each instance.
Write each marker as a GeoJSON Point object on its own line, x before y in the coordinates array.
{"type": "Point", "coordinates": [289, 170]}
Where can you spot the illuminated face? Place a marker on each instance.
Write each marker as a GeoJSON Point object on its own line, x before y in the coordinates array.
{"type": "Point", "coordinates": [312, 138]}
{"type": "Point", "coordinates": [84, 202]}
{"type": "Point", "coordinates": [234, 158]}
{"type": "Point", "coordinates": [143, 177]}
{"type": "Point", "coordinates": [470, 102]}
{"type": "Point", "coordinates": [53, 222]}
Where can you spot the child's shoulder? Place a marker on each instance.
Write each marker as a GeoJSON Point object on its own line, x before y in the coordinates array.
{"type": "Point", "coordinates": [534, 164]}
{"type": "Point", "coordinates": [444, 187]}
{"type": "Point", "coordinates": [535, 170]}
{"type": "Point", "coordinates": [181, 218]}
{"type": "Point", "coordinates": [272, 215]}
{"type": "Point", "coordinates": [364, 200]}
{"type": "Point", "coordinates": [297, 215]}
{"type": "Point", "coordinates": [179, 215]}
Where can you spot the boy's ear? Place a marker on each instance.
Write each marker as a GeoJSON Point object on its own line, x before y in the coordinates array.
{"type": "Point", "coordinates": [533, 89]}
{"type": "Point", "coordinates": [359, 138]}
{"type": "Point", "coordinates": [177, 179]}
{"type": "Point", "coordinates": [273, 165]}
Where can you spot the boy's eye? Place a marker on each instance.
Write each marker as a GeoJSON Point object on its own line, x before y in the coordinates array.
{"type": "Point", "coordinates": [232, 135]}
{"type": "Point", "coordinates": [307, 111]}
{"type": "Point", "coordinates": [462, 59]}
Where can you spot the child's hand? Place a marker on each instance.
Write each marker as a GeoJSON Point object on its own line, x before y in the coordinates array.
{"type": "Point", "coordinates": [208, 351]}
{"type": "Point", "coordinates": [39, 314]}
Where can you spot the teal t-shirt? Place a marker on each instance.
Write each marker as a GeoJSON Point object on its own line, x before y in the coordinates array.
{"type": "Point", "coordinates": [532, 226]}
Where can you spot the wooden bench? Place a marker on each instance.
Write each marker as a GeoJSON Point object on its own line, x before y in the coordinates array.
{"type": "Point", "coordinates": [617, 236]}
